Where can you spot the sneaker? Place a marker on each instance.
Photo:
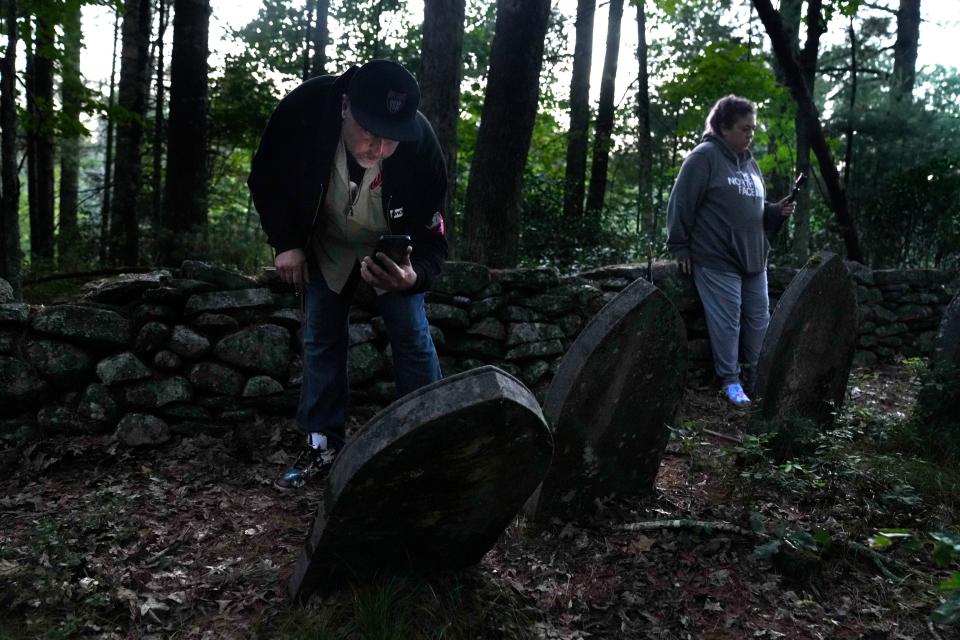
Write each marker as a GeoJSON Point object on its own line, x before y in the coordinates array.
{"type": "Point", "coordinates": [735, 395]}
{"type": "Point", "coordinates": [311, 463]}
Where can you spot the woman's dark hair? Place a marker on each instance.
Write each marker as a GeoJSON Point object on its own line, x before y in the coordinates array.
{"type": "Point", "coordinates": [726, 112]}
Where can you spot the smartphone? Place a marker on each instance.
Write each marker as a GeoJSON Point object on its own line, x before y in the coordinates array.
{"type": "Point", "coordinates": [797, 185]}
{"type": "Point", "coordinates": [393, 246]}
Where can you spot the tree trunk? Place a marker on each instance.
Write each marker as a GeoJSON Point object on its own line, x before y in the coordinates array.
{"type": "Point", "coordinates": [441, 70]}
{"type": "Point", "coordinates": [132, 98]}
{"type": "Point", "coordinates": [71, 92]}
{"type": "Point", "coordinates": [492, 210]}
{"type": "Point", "coordinates": [807, 59]}
{"type": "Point", "coordinates": [159, 122]}
{"type": "Point", "coordinates": [851, 114]}
{"type": "Point", "coordinates": [308, 13]}
{"type": "Point", "coordinates": [40, 142]}
{"type": "Point", "coordinates": [905, 49]}
{"type": "Point", "coordinates": [576, 167]}
{"type": "Point", "coordinates": [321, 36]}
{"type": "Point", "coordinates": [11, 259]}
{"type": "Point", "coordinates": [605, 112]}
{"type": "Point", "coordinates": [808, 112]}
{"type": "Point", "coordinates": [108, 152]}
{"type": "Point", "coordinates": [645, 210]}
{"type": "Point", "coordinates": [185, 197]}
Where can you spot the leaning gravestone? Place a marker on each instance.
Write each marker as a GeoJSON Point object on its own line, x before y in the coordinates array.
{"type": "Point", "coordinates": [808, 349]}
{"type": "Point", "coordinates": [610, 403]}
{"type": "Point", "coordinates": [429, 483]}
{"type": "Point", "coordinates": [937, 411]}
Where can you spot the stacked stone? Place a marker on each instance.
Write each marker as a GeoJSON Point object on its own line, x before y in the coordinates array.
{"type": "Point", "coordinates": [149, 354]}
{"type": "Point", "coordinates": [205, 348]}
{"type": "Point", "coordinates": [521, 320]}
{"type": "Point", "coordinates": [900, 311]}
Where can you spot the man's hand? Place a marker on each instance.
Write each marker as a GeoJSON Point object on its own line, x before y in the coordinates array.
{"type": "Point", "coordinates": [685, 265]}
{"type": "Point", "coordinates": [292, 267]}
{"type": "Point", "coordinates": [392, 276]}
{"type": "Point", "coordinates": [787, 207]}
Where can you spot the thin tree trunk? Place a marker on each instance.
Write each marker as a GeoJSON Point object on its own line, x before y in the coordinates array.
{"type": "Point", "coordinates": [492, 211]}
{"type": "Point", "coordinates": [851, 114]}
{"type": "Point", "coordinates": [41, 149]}
{"type": "Point", "coordinates": [807, 57]}
{"type": "Point", "coordinates": [185, 196]}
{"type": "Point", "coordinates": [159, 128]}
{"type": "Point", "coordinates": [108, 154]}
{"type": "Point", "coordinates": [132, 98]}
{"type": "Point", "coordinates": [645, 210]}
{"type": "Point", "coordinates": [905, 49]}
{"type": "Point", "coordinates": [441, 70]}
{"type": "Point", "coordinates": [308, 12]}
{"type": "Point", "coordinates": [321, 36]}
{"type": "Point", "coordinates": [576, 166]}
{"type": "Point", "coordinates": [11, 258]}
{"type": "Point", "coordinates": [807, 110]}
{"type": "Point", "coordinates": [605, 113]}
{"type": "Point", "coordinates": [71, 92]}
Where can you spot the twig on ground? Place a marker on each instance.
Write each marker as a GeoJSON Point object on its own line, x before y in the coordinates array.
{"type": "Point", "coordinates": [723, 436]}
{"type": "Point", "coordinates": [697, 525]}
{"type": "Point", "coordinates": [879, 561]}
{"type": "Point", "coordinates": [933, 631]}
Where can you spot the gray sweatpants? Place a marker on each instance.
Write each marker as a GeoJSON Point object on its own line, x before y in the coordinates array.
{"type": "Point", "coordinates": [737, 310]}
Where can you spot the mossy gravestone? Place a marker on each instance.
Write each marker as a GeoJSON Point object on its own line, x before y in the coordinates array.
{"type": "Point", "coordinates": [429, 483]}
{"type": "Point", "coordinates": [615, 393]}
{"type": "Point", "coordinates": [808, 349]}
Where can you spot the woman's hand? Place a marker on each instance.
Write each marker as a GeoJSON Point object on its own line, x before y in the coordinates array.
{"type": "Point", "coordinates": [392, 276]}
{"type": "Point", "coordinates": [787, 207]}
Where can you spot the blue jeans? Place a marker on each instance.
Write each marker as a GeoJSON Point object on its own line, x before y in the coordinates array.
{"type": "Point", "coordinates": [737, 310]}
{"type": "Point", "coordinates": [324, 392]}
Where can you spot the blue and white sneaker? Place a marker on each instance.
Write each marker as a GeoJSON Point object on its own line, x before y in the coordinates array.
{"type": "Point", "coordinates": [310, 464]}
{"type": "Point", "coordinates": [735, 395]}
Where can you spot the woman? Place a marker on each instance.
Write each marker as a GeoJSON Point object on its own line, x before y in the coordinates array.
{"type": "Point", "coordinates": [719, 230]}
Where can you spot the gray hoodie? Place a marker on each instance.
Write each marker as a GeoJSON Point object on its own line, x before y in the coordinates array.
{"type": "Point", "coordinates": [718, 214]}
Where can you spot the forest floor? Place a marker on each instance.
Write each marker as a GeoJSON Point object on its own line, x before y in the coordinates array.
{"type": "Point", "coordinates": [191, 540]}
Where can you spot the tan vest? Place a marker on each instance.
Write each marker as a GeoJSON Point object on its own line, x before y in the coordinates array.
{"type": "Point", "coordinates": [353, 221]}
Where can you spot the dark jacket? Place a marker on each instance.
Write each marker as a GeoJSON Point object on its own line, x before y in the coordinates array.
{"type": "Point", "coordinates": [718, 214]}
{"type": "Point", "coordinates": [291, 169]}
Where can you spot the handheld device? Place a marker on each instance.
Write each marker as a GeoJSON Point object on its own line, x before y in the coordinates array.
{"type": "Point", "coordinates": [393, 246]}
{"type": "Point", "coordinates": [797, 185]}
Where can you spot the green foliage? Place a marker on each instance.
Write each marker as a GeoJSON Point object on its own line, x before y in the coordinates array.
{"type": "Point", "coordinates": [375, 29]}
{"type": "Point", "coordinates": [721, 69]}
{"type": "Point", "coordinates": [949, 611]}
{"type": "Point", "coordinates": [935, 425]}
{"type": "Point", "coordinates": [241, 101]}
{"type": "Point", "coordinates": [275, 37]}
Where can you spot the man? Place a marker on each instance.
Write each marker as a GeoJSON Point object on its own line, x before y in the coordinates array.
{"type": "Point", "coordinates": [343, 160]}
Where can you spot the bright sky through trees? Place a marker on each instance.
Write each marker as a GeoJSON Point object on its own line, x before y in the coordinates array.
{"type": "Point", "coordinates": [940, 28]}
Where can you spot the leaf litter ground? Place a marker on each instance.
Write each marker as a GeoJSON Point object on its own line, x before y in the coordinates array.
{"type": "Point", "coordinates": [191, 540]}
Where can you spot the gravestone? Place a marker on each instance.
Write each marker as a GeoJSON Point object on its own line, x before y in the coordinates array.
{"type": "Point", "coordinates": [609, 405]}
{"type": "Point", "coordinates": [946, 351]}
{"type": "Point", "coordinates": [808, 349]}
{"type": "Point", "coordinates": [937, 410]}
{"type": "Point", "coordinates": [429, 483]}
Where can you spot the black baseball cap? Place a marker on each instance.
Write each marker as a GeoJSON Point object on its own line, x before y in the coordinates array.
{"type": "Point", "coordinates": [383, 100]}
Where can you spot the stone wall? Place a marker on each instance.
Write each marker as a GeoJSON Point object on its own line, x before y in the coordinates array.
{"type": "Point", "coordinates": [202, 349]}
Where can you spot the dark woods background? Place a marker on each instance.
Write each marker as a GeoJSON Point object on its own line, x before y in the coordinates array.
{"type": "Point", "coordinates": [149, 167]}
